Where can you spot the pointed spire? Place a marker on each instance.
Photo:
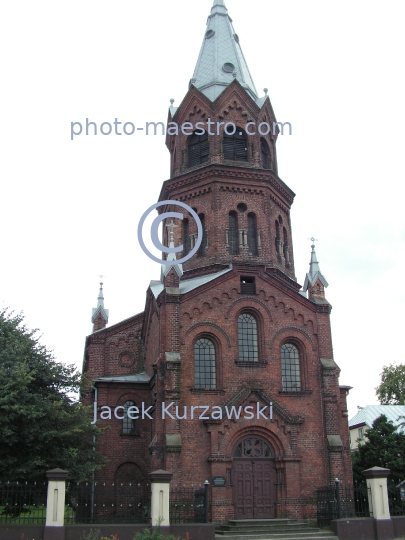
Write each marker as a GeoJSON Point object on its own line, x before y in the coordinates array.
{"type": "Point", "coordinates": [221, 58]}
{"type": "Point", "coordinates": [100, 298]}
{"type": "Point", "coordinates": [100, 315]}
{"type": "Point", "coordinates": [314, 275]}
{"type": "Point", "coordinates": [314, 264]}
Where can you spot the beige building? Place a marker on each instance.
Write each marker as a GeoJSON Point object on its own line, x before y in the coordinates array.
{"type": "Point", "coordinates": [362, 422]}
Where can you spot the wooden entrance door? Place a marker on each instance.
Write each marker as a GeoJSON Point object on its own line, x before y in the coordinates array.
{"type": "Point", "coordinates": [254, 483]}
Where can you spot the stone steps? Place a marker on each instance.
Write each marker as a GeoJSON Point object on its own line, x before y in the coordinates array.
{"type": "Point", "coordinates": [271, 529]}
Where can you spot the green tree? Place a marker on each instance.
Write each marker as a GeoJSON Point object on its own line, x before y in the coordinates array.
{"type": "Point", "coordinates": [384, 447]}
{"type": "Point", "coordinates": [42, 425]}
{"type": "Point", "coordinates": [391, 390]}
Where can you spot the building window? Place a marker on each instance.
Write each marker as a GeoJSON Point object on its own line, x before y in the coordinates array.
{"type": "Point", "coordinates": [252, 234]}
{"type": "Point", "coordinates": [247, 337]}
{"type": "Point", "coordinates": [233, 234]}
{"type": "Point", "coordinates": [128, 424]}
{"type": "Point", "coordinates": [198, 149]}
{"type": "Point", "coordinates": [265, 151]}
{"type": "Point", "coordinates": [361, 433]}
{"type": "Point", "coordinates": [204, 364]}
{"type": "Point", "coordinates": [235, 146]}
{"type": "Point", "coordinates": [204, 243]}
{"type": "Point", "coordinates": [290, 368]}
{"type": "Point", "coordinates": [186, 237]}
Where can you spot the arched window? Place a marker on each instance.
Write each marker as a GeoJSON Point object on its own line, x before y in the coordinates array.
{"type": "Point", "coordinates": [247, 337]}
{"type": "Point", "coordinates": [235, 146]}
{"type": "Point", "coordinates": [204, 364]}
{"type": "Point", "coordinates": [277, 237]}
{"type": "Point", "coordinates": [203, 245]}
{"type": "Point", "coordinates": [265, 151]}
{"type": "Point", "coordinates": [252, 447]}
{"type": "Point", "coordinates": [198, 149]}
{"type": "Point", "coordinates": [285, 246]}
{"type": "Point", "coordinates": [173, 162]}
{"type": "Point", "coordinates": [128, 424]}
{"type": "Point", "coordinates": [252, 234]}
{"type": "Point", "coordinates": [186, 237]}
{"type": "Point", "coordinates": [233, 233]}
{"type": "Point", "coordinates": [290, 368]}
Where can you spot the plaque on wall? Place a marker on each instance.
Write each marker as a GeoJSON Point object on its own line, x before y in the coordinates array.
{"type": "Point", "coordinates": [219, 481]}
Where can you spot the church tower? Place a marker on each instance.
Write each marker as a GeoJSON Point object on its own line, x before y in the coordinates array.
{"type": "Point", "coordinates": [221, 169]}
{"type": "Point", "coordinates": [234, 358]}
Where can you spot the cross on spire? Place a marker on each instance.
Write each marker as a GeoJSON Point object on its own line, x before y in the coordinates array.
{"type": "Point", "coordinates": [171, 226]}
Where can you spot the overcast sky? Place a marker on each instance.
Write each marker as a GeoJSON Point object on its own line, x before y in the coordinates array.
{"type": "Point", "coordinates": [70, 209]}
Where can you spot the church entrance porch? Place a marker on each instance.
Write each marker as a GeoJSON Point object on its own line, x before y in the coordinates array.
{"type": "Point", "coordinates": [254, 480]}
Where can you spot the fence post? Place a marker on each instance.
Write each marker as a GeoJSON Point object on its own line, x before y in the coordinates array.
{"type": "Point", "coordinates": [55, 505]}
{"type": "Point", "coordinates": [337, 494]}
{"type": "Point", "coordinates": [160, 484]}
{"type": "Point", "coordinates": [378, 493]}
{"type": "Point", "coordinates": [206, 485]}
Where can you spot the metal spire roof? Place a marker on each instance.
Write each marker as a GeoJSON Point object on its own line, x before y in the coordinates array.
{"type": "Point", "coordinates": [221, 58]}
{"type": "Point", "coordinates": [100, 307]}
{"type": "Point", "coordinates": [368, 414]}
{"type": "Point", "coordinates": [314, 271]}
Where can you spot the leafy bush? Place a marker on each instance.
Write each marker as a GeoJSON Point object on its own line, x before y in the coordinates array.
{"type": "Point", "coordinates": [156, 534]}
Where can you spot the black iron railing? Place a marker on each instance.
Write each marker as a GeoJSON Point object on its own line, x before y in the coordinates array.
{"type": "Point", "coordinates": [396, 500]}
{"type": "Point", "coordinates": [189, 505]}
{"type": "Point", "coordinates": [98, 502]}
{"type": "Point", "coordinates": [338, 501]}
{"type": "Point", "coordinates": [21, 502]}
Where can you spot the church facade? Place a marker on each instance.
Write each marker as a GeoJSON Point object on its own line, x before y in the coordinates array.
{"type": "Point", "coordinates": [228, 374]}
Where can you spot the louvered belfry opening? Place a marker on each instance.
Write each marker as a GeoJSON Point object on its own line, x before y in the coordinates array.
{"type": "Point", "coordinates": [252, 234]}
{"type": "Point", "coordinates": [265, 151]}
{"type": "Point", "coordinates": [198, 149]}
{"type": "Point", "coordinates": [247, 285]}
{"type": "Point", "coordinates": [233, 233]}
{"type": "Point", "coordinates": [235, 146]}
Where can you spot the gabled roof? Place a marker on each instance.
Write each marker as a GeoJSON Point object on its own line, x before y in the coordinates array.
{"type": "Point", "coordinates": [221, 58]}
{"type": "Point", "coordinates": [188, 285]}
{"type": "Point", "coordinates": [135, 378]}
{"type": "Point", "coordinates": [368, 414]}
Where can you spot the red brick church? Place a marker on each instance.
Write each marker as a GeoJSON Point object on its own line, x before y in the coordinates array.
{"type": "Point", "coordinates": [228, 373]}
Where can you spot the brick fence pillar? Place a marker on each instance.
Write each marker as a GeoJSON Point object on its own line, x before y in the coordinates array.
{"type": "Point", "coordinates": [55, 505]}
{"type": "Point", "coordinates": [160, 482]}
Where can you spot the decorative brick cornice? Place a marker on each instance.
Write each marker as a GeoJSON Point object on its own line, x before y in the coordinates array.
{"type": "Point", "coordinates": [280, 276]}
{"type": "Point", "coordinates": [215, 172]}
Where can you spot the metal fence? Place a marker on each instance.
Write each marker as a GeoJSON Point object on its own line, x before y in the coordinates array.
{"type": "Point", "coordinates": [21, 502]}
{"type": "Point", "coordinates": [396, 500]}
{"type": "Point", "coordinates": [97, 502]}
{"type": "Point", "coordinates": [189, 505]}
{"type": "Point", "coordinates": [337, 501]}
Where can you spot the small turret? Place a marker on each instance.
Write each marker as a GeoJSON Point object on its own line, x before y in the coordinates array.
{"type": "Point", "coordinates": [315, 282]}
{"type": "Point", "coordinates": [168, 277]}
{"type": "Point", "coordinates": [100, 315]}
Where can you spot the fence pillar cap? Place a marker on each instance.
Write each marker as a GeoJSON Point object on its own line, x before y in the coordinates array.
{"type": "Point", "coordinates": [161, 476]}
{"type": "Point", "coordinates": [57, 474]}
{"type": "Point", "coordinates": [376, 472]}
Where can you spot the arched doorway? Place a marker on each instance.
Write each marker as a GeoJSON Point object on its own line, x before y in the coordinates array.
{"type": "Point", "coordinates": [254, 479]}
